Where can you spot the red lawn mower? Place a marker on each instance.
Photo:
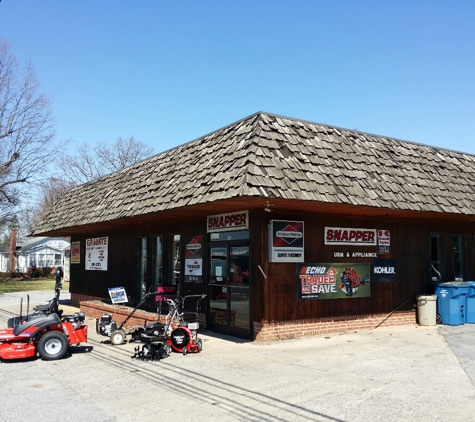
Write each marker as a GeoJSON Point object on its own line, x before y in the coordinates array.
{"type": "Point", "coordinates": [45, 332]}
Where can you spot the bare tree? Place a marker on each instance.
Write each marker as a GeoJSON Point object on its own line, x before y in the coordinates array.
{"type": "Point", "coordinates": [26, 129]}
{"type": "Point", "coordinates": [90, 163]}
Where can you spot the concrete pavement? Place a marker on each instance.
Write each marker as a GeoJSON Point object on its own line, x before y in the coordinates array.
{"type": "Point", "coordinates": [387, 374]}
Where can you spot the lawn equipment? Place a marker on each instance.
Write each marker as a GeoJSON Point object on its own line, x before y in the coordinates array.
{"type": "Point", "coordinates": [176, 334]}
{"type": "Point", "coordinates": [44, 332]}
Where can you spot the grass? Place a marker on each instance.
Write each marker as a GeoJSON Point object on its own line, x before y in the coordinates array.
{"type": "Point", "coordinates": [12, 285]}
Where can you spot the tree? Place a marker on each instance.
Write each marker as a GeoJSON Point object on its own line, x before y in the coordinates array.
{"type": "Point", "coordinates": [91, 163]}
{"type": "Point", "coordinates": [26, 130]}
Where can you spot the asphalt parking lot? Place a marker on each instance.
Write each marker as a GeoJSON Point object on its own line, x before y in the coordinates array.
{"type": "Point", "coordinates": [388, 374]}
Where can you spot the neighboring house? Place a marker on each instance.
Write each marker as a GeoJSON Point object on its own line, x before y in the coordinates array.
{"type": "Point", "coordinates": [288, 227]}
{"type": "Point", "coordinates": [41, 252]}
{"type": "Point", "coordinates": [4, 259]}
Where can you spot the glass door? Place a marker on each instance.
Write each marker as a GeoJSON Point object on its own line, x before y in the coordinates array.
{"type": "Point", "coordinates": [229, 311]}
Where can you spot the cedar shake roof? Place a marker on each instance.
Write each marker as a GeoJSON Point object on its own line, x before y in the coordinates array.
{"type": "Point", "coordinates": [270, 156]}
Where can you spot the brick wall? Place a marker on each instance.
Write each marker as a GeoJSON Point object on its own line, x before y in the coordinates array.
{"type": "Point", "coordinates": [303, 328]}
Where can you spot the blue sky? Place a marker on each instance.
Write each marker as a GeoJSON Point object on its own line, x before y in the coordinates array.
{"type": "Point", "coordinates": [168, 72]}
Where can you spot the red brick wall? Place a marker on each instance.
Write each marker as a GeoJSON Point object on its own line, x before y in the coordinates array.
{"type": "Point", "coordinates": [303, 328]}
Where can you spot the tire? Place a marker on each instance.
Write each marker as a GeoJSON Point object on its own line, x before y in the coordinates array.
{"type": "Point", "coordinates": [438, 319]}
{"type": "Point", "coordinates": [117, 337]}
{"type": "Point", "coordinates": [199, 344]}
{"type": "Point", "coordinates": [52, 345]}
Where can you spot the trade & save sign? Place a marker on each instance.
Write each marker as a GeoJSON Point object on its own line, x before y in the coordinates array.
{"type": "Point", "coordinates": [286, 241]}
{"type": "Point", "coordinates": [96, 253]}
{"type": "Point", "coordinates": [333, 280]}
{"type": "Point", "coordinates": [350, 236]}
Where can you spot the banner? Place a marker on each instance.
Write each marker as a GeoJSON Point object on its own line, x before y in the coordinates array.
{"type": "Point", "coordinates": [194, 259]}
{"type": "Point", "coordinates": [117, 294]}
{"type": "Point", "coordinates": [75, 252]}
{"type": "Point", "coordinates": [333, 280]}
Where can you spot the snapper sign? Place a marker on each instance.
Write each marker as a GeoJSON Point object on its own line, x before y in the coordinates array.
{"type": "Point", "coordinates": [350, 236]}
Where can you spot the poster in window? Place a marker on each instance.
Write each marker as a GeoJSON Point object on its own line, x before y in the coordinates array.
{"type": "Point", "coordinates": [333, 280]}
{"type": "Point", "coordinates": [194, 259]}
{"type": "Point", "coordinates": [96, 253]}
{"type": "Point", "coordinates": [75, 252]}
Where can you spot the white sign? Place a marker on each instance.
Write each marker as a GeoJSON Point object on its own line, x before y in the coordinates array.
{"type": "Point", "coordinates": [96, 253]}
{"type": "Point", "coordinates": [286, 241]}
{"type": "Point", "coordinates": [194, 266]}
{"type": "Point", "coordinates": [117, 294]}
{"type": "Point", "coordinates": [226, 222]}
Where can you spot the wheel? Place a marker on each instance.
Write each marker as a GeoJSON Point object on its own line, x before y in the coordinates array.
{"type": "Point", "coordinates": [117, 337]}
{"type": "Point", "coordinates": [52, 345]}
{"type": "Point", "coordinates": [199, 344]}
{"type": "Point", "coordinates": [438, 319]}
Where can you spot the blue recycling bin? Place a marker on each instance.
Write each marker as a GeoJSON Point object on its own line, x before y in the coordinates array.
{"type": "Point", "coordinates": [451, 302]}
{"type": "Point", "coordinates": [470, 303]}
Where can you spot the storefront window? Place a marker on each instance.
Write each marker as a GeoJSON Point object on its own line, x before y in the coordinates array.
{"type": "Point", "coordinates": [142, 266]}
{"type": "Point", "coordinates": [437, 255]}
{"type": "Point", "coordinates": [459, 257]}
{"type": "Point", "coordinates": [158, 258]}
{"type": "Point", "coordinates": [175, 260]}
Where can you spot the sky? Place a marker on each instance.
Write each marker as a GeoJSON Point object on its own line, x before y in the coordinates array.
{"type": "Point", "coordinates": [168, 72]}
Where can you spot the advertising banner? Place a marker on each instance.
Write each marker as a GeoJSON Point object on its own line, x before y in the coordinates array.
{"type": "Point", "coordinates": [333, 280]}
{"type": "Point", "coordinates": [194, 259]}
{"type": "Point", "coordinates": [75, 252]}
{"type": "Point", "coordinates": [96, 253]}
{"type": "Point", "coordinates": [286, 241]}
{"type": "Point", "coordinates": [384, 270]}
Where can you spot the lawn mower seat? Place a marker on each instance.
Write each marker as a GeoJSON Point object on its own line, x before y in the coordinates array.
{"type": "Point", "coordinates": [48, 308]}
{"type": "Point", "coordinates": [39, 321]}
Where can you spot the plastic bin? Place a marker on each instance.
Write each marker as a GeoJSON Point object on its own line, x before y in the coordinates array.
{"type": "Point", "coordinates": [427, 309]}
{"type": "Point", "coordinates": [451, 302]}
{"type": "Point", "coordinates": [470, 303]}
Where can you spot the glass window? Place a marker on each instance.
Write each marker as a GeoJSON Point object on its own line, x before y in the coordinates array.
{"type": "Point", "coordinates": [57, 259]}
{"type": "Point", "coordinates": [239, 265]}
{"type": "Point", "coordinates": [459, 257]}
{"type": "Point", "coordinates": [437, 256]}
{"type": "Point", "coordinates": [175, 260]}
{"type": "Point", "coordinates": [41, 260]}
{"type": "Point", "coordinates": [158, 258]}
{"type": "Point", "coordinates": [142, 266]}
{"type": "Point", "coordinates": [32, 260]}
{"type": "Point", "coordinates": [219, 265]}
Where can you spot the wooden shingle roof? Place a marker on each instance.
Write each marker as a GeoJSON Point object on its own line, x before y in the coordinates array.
{"type": "Point", "coordinates": [271, 156]}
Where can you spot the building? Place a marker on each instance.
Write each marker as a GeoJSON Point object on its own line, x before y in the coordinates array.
{"type": "Point", "coordinates": [289, 227]}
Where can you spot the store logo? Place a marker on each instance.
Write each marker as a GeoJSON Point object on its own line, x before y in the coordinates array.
{"type": "Point", "coordinates": [289, 234]}
{"type": "Point", "coordinates": [194, 246]}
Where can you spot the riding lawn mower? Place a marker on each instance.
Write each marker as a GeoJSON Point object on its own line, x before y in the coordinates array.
{"type": "Point", "coordinates": [46, 332]}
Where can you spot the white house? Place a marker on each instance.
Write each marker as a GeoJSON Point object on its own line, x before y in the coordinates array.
{"type": "Point", "coordinates": [41, 252]}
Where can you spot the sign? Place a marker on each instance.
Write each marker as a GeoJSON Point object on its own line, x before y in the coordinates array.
{"type": "Point", "coordinates": [348, 236]}
{"type": "Point", "coordinates": [166, 292]}
{"type": "Point", "coordinates": [384, 241]}
{"type": "Point", "coordinates": [384, 270]}
{"type": "Point", "coordinates": [194, 259]}
{"type": "Point", "coordinates": [75, 252]}
{"type": "Point", "coordinates": [286, 241]}
{"type": "Point", "coordinates": [333, 280]}
{"type": "Point", "coordinates": [226, 222]}
{"type": "Point", "coordinates": [96, 253]}
{"type": "Point", "coordinates": [117, 294]}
